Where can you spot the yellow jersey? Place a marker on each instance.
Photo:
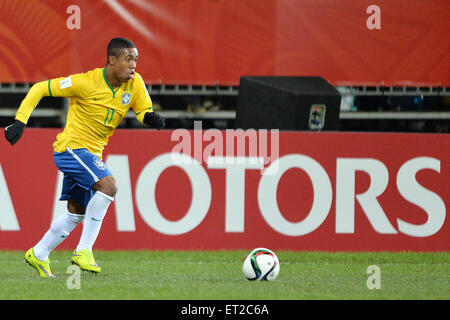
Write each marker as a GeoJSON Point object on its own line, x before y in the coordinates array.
{"type": "Point", "coordinates": [95, 110]}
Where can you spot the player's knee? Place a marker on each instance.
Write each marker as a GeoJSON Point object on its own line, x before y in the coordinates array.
{"type": "Point", "coordinates": [107, 185]}
{"type": "Point", "coordinates": [113, 188]}
{"type": "Point", "coordinates": [74, 207]}
{"type": "Point", "coordinates": [109, 189]}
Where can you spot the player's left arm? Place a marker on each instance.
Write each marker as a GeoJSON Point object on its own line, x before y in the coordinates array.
{"type": "Point", "coordinates": [142, 105]}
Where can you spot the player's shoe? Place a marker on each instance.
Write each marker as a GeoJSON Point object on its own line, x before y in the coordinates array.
{"type": "Point", "coordinates": [85, 260]}
{"type": "Point", "coordinates": [42, 267]}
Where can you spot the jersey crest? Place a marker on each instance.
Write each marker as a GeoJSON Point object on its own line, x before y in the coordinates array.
{"type": "Point", "coordinates": [99, 164]}
{"type": "Point", "coordinates": [126, 98]}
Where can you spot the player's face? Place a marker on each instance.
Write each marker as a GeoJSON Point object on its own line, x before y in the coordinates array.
{"type": "Point", "coordinates": [126, 64]}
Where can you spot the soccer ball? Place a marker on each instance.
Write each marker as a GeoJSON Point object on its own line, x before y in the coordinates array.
{"type": "Point", "coordinates": [261, 264]}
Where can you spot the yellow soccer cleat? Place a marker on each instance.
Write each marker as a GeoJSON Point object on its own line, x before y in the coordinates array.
{"type": "Point", "coordinates": [85, 260]}
{"type": "Point", "coordinates": [42, 267]}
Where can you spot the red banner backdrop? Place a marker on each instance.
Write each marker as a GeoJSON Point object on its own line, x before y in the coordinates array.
{"type": "Point", "coordinates": [217, 41]}
{"type": "Point", "coordinates": [319, 191]}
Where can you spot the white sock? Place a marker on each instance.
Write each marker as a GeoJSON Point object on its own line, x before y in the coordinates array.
{"type": "Point", "coordinates": [60, 228]}
{"type": "Point", "coordinates": [95, 212]}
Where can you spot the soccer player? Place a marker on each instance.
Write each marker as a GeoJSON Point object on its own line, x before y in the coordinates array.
{"type": "Point", "coordinates": [99, 100]}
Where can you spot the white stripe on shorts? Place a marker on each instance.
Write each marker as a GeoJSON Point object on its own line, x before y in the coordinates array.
{"type": "Point", "coordinates": [83, 164]}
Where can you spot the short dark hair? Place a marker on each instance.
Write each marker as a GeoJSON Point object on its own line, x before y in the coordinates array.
{"type": "Point", "coordinates": [116, 45]}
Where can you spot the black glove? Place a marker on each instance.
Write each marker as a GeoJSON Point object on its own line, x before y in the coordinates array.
{"type": "Point", "coordinates": [14, 132]}
{"type": "Point", "coordinates": [154, 120]}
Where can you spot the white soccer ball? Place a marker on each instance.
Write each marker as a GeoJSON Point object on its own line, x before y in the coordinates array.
{"type": "Point", "coordinates": [261, 264]}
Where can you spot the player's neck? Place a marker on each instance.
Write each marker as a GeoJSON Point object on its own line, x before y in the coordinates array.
{"type": "Point", "coordinates": [114, 82]}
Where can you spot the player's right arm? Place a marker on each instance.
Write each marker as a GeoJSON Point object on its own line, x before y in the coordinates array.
{"type": "Point", "coordinates": [60, 87]}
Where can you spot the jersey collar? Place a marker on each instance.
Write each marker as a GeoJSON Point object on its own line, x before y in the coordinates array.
{"type": "Point", "coordinates": [109, 85]}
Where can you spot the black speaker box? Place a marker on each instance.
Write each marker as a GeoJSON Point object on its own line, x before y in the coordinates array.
{"type": "Point", "coordinates": [287, 103]}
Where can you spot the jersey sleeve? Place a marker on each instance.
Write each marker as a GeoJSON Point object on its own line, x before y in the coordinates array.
{"type": "Point", "coordinates": [74, 85]}
{"type": "Point", "coordinates": [34, 95]}
{"type": "Point", "coordinates": [142, 103]}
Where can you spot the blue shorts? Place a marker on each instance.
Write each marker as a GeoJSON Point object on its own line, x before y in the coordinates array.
{"type": "Point", "coordinates": [82, 170]}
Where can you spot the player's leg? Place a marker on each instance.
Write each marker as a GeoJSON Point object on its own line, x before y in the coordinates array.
{"type": "Point", "coordinates": [60, 228]}
{"type": "Point", "coordinates": [96, 209]}
{"type": "Point", "coordinates": [104, 191]}
{"type": "Point", "coordinates": [74, 207]}
{"type": "Point", "coordinates": [107, 185]}
{"type": "Point", "coordinates": [91, 174]}
{"type": "Point", "coordinates": [81, 171]}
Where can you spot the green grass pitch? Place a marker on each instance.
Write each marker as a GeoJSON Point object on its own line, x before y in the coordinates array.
{"type": "Point", "coordinates": [217, 275]}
